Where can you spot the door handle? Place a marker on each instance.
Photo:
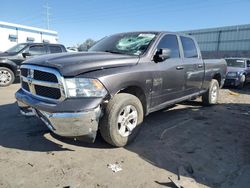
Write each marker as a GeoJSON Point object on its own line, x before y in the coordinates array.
{"type": "Point", "coordinates": [179, 67]}
{"type": "Point", "coordinates": [200, 66]}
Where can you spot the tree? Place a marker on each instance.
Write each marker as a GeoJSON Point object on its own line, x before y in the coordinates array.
{"type": "Point", "coordinates": [86, 45]}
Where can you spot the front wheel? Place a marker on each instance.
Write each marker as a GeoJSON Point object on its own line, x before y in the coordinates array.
{"type": "Point", "coordinates": [122, 119]}
{"type": "Point", "coordinates": [212, 94]}
{"type": "Point", "coordinates": [7, 77]}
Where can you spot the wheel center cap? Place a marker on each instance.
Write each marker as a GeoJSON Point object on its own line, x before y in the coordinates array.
{"type": "Point", "coordinates": [3, 77]}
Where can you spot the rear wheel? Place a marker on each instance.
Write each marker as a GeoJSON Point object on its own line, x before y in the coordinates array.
{"type": "Point", "coordinates": [7, 77]}
{"type": "Point", "coordinates": [122, 119]}
{"type": "Point", "coordinates": [212, 94]}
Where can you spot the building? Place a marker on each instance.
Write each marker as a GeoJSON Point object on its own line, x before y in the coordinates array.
{"type": "Point", "coordinates": [12, 34]}
{"type": "Point", "coordinates": [230, 41]}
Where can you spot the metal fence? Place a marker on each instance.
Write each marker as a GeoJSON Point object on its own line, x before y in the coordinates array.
{"type": "Point", "coordinates": [230, 41]}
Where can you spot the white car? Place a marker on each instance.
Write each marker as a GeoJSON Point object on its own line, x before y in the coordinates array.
{"type": "Point", "coordinates": [72, 49]}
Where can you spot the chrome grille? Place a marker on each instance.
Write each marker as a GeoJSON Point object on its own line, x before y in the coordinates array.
{"type": "Point", "coordinates": [42, 82]}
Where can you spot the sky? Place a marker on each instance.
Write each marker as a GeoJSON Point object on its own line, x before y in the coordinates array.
{"type": "Point", "coordinates": [77, 20]}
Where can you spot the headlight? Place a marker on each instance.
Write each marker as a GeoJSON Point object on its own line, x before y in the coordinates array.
{"type": "Point", "coordinates": [232, 74]}
{"type": "Point", "coordinates": [84, 87]}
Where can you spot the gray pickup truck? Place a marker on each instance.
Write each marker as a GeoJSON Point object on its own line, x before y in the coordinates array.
{"type": "Point", "coordinates": [114, 85]}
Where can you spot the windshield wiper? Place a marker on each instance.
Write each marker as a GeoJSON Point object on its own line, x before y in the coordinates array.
{"type": "Point", "coordinates": [113, 52]}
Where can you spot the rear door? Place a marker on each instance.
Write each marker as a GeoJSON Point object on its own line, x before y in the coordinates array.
{"type": "Point", "coordinates": [168, 82]}
{"type": "Point", "coordinates": [193, 64]}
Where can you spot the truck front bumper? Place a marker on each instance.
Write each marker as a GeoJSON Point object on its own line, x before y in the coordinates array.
{"type": "Point", "coordinates": [77, 124]}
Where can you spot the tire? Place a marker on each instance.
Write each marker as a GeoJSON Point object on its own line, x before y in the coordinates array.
{"type": "Point", "coordinates": [122, 119]}
{"type": "Point", "coordinates": [212, 94]}
{"type": "Point", "coordinates": [242, 82]}
{"type": "Point", "coordinates": [7, 77]}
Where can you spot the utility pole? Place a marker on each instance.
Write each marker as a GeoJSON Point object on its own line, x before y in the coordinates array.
{"type": "Point", "coordinates": [47, 8]}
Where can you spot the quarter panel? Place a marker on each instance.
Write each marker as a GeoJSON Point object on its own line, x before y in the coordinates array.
{"type": "Point", "coordinates": [213, 67]}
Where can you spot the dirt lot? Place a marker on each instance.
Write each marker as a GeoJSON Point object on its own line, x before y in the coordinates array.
{"type": "Point", "coordinates": [212, 143]}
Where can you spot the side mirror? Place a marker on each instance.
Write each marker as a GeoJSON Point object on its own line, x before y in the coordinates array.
{"type": "Point", "coordinates": [162, 54]}
{"type": "Point", "coordinates": [25, 54]}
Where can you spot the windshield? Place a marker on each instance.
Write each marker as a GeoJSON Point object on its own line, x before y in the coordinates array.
{"type": "Point", "coordinates": [17, 48]}
{"type": "Point", "coordinates": [128, 43]}
{"type": "Point", "coordinates": [235, 63]}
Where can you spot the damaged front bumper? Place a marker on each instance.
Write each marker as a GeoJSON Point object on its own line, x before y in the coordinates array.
{"type": "Point", "coordinates": [79, 124]}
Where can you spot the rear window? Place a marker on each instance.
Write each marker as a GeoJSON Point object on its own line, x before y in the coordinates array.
{"type": "Point", "coordinates": [55, 49]}
{"type": "Point", "coordinates": [189, 47]}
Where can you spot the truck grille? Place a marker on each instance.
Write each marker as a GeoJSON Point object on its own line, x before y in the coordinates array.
{"type": "Point", "coordinates": [53, 93]}
{"type": "Point", "coordinates": [25, 86]}
{"type": "Point", "coordinates": [42, 82]}
{"type": "Point", "coordinates": [45, 76]}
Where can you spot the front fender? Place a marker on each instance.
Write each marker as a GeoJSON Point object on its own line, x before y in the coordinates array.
{"type": "Point", "coordinates": [117, 79]}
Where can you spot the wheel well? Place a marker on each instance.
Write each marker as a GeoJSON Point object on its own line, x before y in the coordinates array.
{"type": "Point", "coordinates": [218, 78]}
{"type": "Point", "coordinates": [139, 93]}
{"type": "Point", "coordinates": [9, 67]}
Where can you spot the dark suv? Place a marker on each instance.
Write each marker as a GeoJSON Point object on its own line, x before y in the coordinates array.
{"type": "Point", "coordinates": [11, 60]}
{"type": "Point", "coordinates": [238, 72]}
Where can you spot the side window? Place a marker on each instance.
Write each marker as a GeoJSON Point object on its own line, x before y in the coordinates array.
{"type": "Point", "coordinates": [248, 63]}
{"type": "Point", "coordinates": [189, 47]}
{"type": "Point", "coordinates": [170, 42]}
{"type": "Point", "coordinates": [55, 49]}
{"type": "Point", "coordinates": [37, 50]}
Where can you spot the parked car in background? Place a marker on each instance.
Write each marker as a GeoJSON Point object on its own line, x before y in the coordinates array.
{"type": "Point", "coordinates": [114, 85]}
{"type": "Point", "coordinates": [72, 49]}
{"type": "Point", "coordinates": [11, 60]}
{"type": "Point", "coordinates": [238, 72]}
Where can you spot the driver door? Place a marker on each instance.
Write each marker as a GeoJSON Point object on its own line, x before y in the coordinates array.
{"type": "Point", "coordinates": [169, 80]}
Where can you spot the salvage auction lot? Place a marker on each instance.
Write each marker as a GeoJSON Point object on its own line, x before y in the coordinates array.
{"type": "Point", "coordinates": [212, 143]}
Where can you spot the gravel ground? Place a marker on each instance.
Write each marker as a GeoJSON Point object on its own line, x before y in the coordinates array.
{"type": "Point", "coordinates": [211, 143]}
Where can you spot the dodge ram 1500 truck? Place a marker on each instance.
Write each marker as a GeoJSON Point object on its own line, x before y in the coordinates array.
{"type": "Point", "coordinates": [114, 85]}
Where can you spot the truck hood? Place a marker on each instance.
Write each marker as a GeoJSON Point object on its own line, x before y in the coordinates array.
{"type": "Point", "coordinates": [72, 64]}
{"type": "Point", "coordinates": [4, 55]}
{"type": "Point", "coordinates": [235, 69]}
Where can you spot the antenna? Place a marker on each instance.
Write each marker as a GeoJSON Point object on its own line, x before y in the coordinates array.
{"type": "Point", "coordinates": [47, 8]}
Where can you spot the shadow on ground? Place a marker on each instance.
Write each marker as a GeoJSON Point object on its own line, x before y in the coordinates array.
{"type": "Point", "coordinates": [212, 143]}
{"type": "Point", "coordinates": [245, 90]}
{"type": "Point", "coordinates": [23, 133]}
